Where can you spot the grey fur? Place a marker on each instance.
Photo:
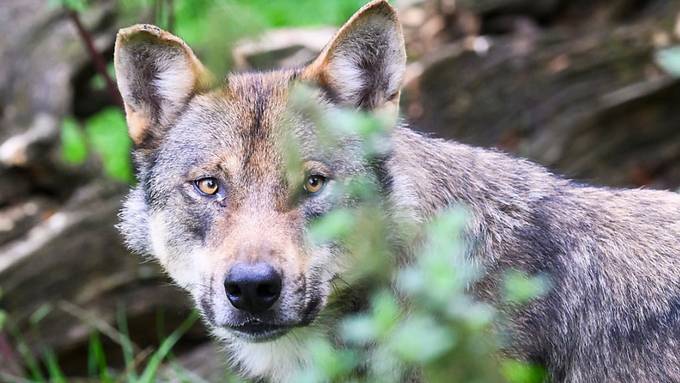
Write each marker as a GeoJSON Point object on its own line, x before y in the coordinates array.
{"type": "Point", "coordinates": [613, 256]}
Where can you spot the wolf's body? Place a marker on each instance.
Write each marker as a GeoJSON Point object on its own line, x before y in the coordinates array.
{"type": "Point", "coordinates": [613, 256]}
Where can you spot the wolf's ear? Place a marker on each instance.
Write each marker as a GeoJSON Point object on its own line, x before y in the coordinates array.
{"type": "Point", "coordinates": [363, 66]}
{"type": "Point", "coordinates": [157, 73]}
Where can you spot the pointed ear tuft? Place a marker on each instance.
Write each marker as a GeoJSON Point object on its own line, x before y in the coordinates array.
{"type": "Point", "coordinates": [363, 66]}
{"type": "Point", "coordinates": [157, 73]}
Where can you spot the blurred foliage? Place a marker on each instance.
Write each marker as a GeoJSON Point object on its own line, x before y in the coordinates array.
{"type": "Point", "coordinates": [3, 315]}
{"type": "Point", "coordinates": [422, 321]}
{"type": "Point", "coordinates": [75, 5]}
{"type": "Point", "coordinates": [98, 82]}
{"type": "Point", "coordinates": [73, 142]}
{"type": "Point", "coordinates": [105, 134]}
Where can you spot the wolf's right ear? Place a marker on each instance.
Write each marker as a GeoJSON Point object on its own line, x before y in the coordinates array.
{"type": "Point", "coordinates": [156, 73]}
{"type": "Point", "coordinates": [363, 66]}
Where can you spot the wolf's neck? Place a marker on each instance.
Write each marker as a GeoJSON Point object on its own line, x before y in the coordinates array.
{"type": "Point", "coordinates": [427, 175]}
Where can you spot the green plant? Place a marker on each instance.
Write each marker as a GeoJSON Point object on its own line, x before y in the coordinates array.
{"type": "Point", "coordinates": [140, 366]}
{"type": "Point", "coordinates": [421, 319]}
{"type": "Point", "coordinates": [105, 134]}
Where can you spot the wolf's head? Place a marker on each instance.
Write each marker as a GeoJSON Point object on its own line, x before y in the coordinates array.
{"type": "Point", "coordinates": [215, 203]}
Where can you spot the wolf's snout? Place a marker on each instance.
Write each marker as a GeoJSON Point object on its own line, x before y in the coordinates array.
{"type": "Point", "coordinates": [253, 287]}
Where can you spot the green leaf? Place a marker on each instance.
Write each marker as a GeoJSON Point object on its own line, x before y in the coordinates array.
{"type": "Point", "coordinates": [74, 5]}
{"type": "Point", "coordinates": [126, 346]}
{"type": "Point", "coordinates": [476, 314]}
{"type": "Point", "coordinates": [40, 313]}
{"type": "Point", "coordinates": [361, 188]}
{"type": "Point", "coordinates": [358, 329]}
{"type": "Point", "coordinates": [441, 270]}
{"type": "Point", "coordinates": [421, 339]}
{"type": "Point", "coordinates": [97, 82]}
{"type": "Point", "coordinates": [73, 142]}
{"type": "Point", "coordinates": [3, 319]}
{"type": "Point", "coordinates": [332, 226]}
{"type": "Point", "coordinates": [107, 133]}
{"type": "Point", "coordinates": [517, 372]}
{"type": "Point", "coordinates": [97, 359]}
{"type": "Point", "coordinates": [669, 60]}
{"type": "Point", "coordinates": [211, 27]}
{"type": "Point", "coordinates": [53, 368]}
{"type": "Point", "coordinates": [282, 13]}
{"type": "Point", "coordinates": [330, 362]}
{"type": "Point", "coordinates": [29, 360]}
{"type": "Point", "coordinates": [520, 288]}
{"type": "Point", "coordinates": [385, 312]}
{"type": "Point", "coordinates": [444, 231]}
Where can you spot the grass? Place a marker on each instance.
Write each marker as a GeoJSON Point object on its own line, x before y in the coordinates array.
{"type": "Point", "coordinates": [140, 366]}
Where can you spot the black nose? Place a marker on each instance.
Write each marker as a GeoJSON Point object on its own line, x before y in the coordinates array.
{"type": "Point", "coordinates": [253, 287]}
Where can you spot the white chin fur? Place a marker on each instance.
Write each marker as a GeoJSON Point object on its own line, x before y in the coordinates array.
{"type": "Point", "coordinates": [280, 360]}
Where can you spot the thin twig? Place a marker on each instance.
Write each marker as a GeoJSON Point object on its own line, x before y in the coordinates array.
{"type": "Point", "coordinates": [96, 57]}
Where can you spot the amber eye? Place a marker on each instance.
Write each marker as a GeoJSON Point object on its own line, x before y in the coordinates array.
{"type": "Point", "coordinates": [207, 186]}
{"type": "Point", "coordinates": [315, 183]}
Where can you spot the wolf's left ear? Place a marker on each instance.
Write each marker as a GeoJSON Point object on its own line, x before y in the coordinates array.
{"type": "Point", "coordinates": [363, 66]}
{"type": "Point", "coordinates": [157, 73]}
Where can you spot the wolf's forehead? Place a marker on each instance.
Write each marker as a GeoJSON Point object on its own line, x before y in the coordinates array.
{"type": "Point", "coordinates": [263, 87]}
{"type": "Point", "coordinates": [246, 119]}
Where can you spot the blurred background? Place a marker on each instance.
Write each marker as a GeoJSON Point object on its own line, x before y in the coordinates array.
{"type": "Point", "coordinates": [589, 88]}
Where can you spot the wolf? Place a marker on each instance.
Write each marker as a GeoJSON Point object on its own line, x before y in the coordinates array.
{"type": "Point", "coordinates": [213, 205]}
